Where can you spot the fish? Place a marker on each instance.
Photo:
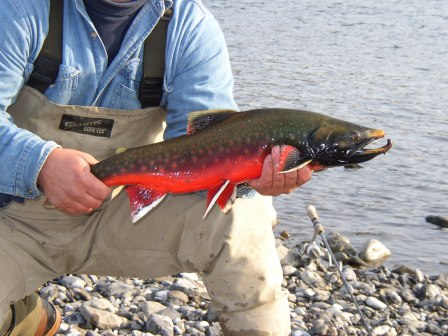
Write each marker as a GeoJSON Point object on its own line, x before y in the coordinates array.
{"type": "Point", "coordinates": [223, 149]}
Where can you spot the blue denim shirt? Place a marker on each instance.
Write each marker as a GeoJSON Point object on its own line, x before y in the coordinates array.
{"type": "Point", "coordinates": [197, 77]}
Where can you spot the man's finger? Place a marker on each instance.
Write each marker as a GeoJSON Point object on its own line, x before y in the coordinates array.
{"type": "Point", "coordinates": [96, 188]}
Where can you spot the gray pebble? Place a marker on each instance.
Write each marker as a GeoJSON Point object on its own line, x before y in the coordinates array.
{"type": "Point", "coordinates": [71, 282]}
{"type": "Point", "coordinates": [101, 319]}
{"type": "Point", "coordinates": [399, 302]}
{"type": "Point", "coordinates": [158, 324]}
{"type": "Point", "coordinates": [375, 303]}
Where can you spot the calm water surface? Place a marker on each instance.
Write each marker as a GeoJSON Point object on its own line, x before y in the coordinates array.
{"type": "Point", "coordinates": [382, 64]}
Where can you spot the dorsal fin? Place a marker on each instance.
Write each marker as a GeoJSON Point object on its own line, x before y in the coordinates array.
{"type": "Point", "coordinates": [197, 121]}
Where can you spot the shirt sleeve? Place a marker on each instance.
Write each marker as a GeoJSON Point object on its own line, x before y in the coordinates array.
{"type": "Point", "coordinates": [22, 153]}
{"type": "Point", "coordinates": [201, 76]}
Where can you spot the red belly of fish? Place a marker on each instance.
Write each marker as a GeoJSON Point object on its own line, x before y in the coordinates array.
{"type": "Point", "coordinates": [191, 180]}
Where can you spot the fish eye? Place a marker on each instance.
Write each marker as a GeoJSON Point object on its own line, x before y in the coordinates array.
{"type": "Point", "coordinates": [356, 136]}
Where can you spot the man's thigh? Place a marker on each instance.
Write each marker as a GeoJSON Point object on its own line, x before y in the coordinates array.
{"type": "Point", "coordinates": [150, 247]}
{"type": "Point", "coordinates": [172, 238]}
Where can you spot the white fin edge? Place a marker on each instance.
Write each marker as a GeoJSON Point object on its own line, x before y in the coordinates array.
{"type": "Point", "coordinates": [295, 168]}
{"type": "Point", "coordinates": [143, 211]}
{"type": "Point", "coordinates": [213, 201]}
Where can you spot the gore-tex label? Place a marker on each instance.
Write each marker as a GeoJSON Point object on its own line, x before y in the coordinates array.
{"type": "Point", "coordinates": [100, 127]}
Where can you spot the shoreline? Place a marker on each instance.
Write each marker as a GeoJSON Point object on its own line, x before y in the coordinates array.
{"type": "Point", "coordinates": [399, 301]}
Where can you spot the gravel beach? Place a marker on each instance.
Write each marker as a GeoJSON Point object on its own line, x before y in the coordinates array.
{"type": "Point", "coordinates": [399, 301]}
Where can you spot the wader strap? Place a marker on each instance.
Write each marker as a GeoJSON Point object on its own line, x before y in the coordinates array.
{"type": "Point", "coordinates": [46, 66]}
{"type": "Point", "coordinates": [151, 86]}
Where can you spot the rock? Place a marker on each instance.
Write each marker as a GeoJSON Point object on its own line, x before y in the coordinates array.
{"type": "Point", "coordinates": [178, 296]}
{"type": "Point", "coordinates": [374, 250]}
{"type": "Point", "coordinates": [160, 325]}
{"type": "Point", "coordinates": [289, 270]}
{"type": "Point", "coordinates": [322, 296]}
{"type": "Point", "coordinates": [375, 303]}
{"type": "Point", "coordinates": [201, 325]}
{"type": "Point", "coordinates": [49, 292]}
{"type": "Point", "coordinates": [75, 319]}
{"type": "Point", "coordinates": [151, 307]}
{"type": "Point", "coordinates": [442, 280]}
{"type": "Point", "coordinates": [408, 296]}
{"type": "Point", "coordinates": [412, 321]}
{"type": "Point", "coordinates": [213, 330]}
{"type": "Point", "coordinates": [431, 291]}
{"type": "Point", "coordinates": [161, 295]}
{"type": "Point", "coordinates": [364, 287]}
{"type": "Point", "coordinates": [190, 276]}
{"type": "Point", "coordinates": [381, 330]}
{"type": "Point", "coordinates": [403, 301]}
{"type": "Point", "coordinates": [339, 243]}
{"type": "Point", "coordinates": [438, 220]}
{"type": "Point", "coordinates": [285, 234]}
{"type": "Point", "coordinates": [102, 304]}
{"type": "Point", "coordinates": [402, 269]}
{"type": "Point", "coordinates": [82, 294]}
{"type": "Point", "coordinates": [312, 279]}
{"type": "Point", "coordinates": [101, 319]}
{"type": "Point", "coordinates": [171, 313]}
{"type": "Point", "coordinates": [320, 327]}
{"type": "Point", "coordinates": [356, 261]}
{"type": "Point", "coordinates": [395, 298]}
{"type": "Point", "coordinates": [308, 293]}
{"type": "Point", "coordinates": [91, 333]}
{"type": "Point", "coordinates": [74, 331]}
{"type": "Point", "coordinates": [341, 256]}
{"type": "Point", "coordinates": [185, 286]}
{"type": "Point", "coordinates": [300, 333]}
{"type": "Point", "coordinates": [286, 256]}
{"type": "Point", "coordinates": [349, 274]}
{"type": "Point", "coordinates": [71, 282]}
{"type": "Point", "coordinates": [114, 289]}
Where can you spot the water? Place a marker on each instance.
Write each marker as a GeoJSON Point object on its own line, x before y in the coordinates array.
{"type": "Point", "coordinates": [382, 64]}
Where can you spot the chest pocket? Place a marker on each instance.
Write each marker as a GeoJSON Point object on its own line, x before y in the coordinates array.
{"type": "Point", "coordinates": [126, 87]}
{"type": "Point", "coordinates": [64, 87]}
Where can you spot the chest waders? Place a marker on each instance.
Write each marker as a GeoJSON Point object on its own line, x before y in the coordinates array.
{"type": "Point", "coordinates": [235, 252]}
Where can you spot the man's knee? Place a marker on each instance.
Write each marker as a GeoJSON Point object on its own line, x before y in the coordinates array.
{"type": "Point", "coordinates": [245, 277]}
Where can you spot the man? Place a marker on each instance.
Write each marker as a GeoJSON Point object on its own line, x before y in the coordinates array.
{"type": "Point", "coordinates": [40, 153]}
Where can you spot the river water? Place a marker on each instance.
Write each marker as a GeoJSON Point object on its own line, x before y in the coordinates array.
{"type": "Point", "coordinates": [382, 64]}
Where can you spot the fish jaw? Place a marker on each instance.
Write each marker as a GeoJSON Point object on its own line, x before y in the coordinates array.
{"type": "Point", "coordinates": [366, 154]}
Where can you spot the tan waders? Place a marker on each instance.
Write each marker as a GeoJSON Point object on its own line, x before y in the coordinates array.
{"type": "Point", "coordinates": [235, 252]}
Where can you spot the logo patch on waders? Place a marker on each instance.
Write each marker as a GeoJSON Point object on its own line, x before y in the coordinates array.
{"type": "Point", "coordinates": [101, 127]}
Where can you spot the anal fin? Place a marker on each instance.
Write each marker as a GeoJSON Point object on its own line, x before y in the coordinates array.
{"type": "Point", "coordinates": [224, 195]}
{"type": "Point", "coordinates": [142, 200]}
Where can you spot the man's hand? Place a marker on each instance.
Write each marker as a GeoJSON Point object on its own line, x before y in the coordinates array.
{"type": "Point", "coordinates": [69, 185]}
{"type": "Point", "coordinates": [273, 184]}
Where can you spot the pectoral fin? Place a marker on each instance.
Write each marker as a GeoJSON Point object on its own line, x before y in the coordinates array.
{"type": "Point", "coordinates": [142, 200]}
{"type": "Point", "coordinates": [224, 195]}
{"type": "Point", "coordinates": [291, 159]}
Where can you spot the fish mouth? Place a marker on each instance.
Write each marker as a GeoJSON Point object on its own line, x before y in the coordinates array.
{"type": "Point", "coordinates": [359, 153]}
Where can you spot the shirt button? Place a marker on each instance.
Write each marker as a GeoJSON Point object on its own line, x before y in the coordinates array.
{"type": "Point", "coordinates": [93, 34]}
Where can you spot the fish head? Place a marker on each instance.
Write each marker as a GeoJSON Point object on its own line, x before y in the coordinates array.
{"type": "Point", "coordinates": [339, 143]}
